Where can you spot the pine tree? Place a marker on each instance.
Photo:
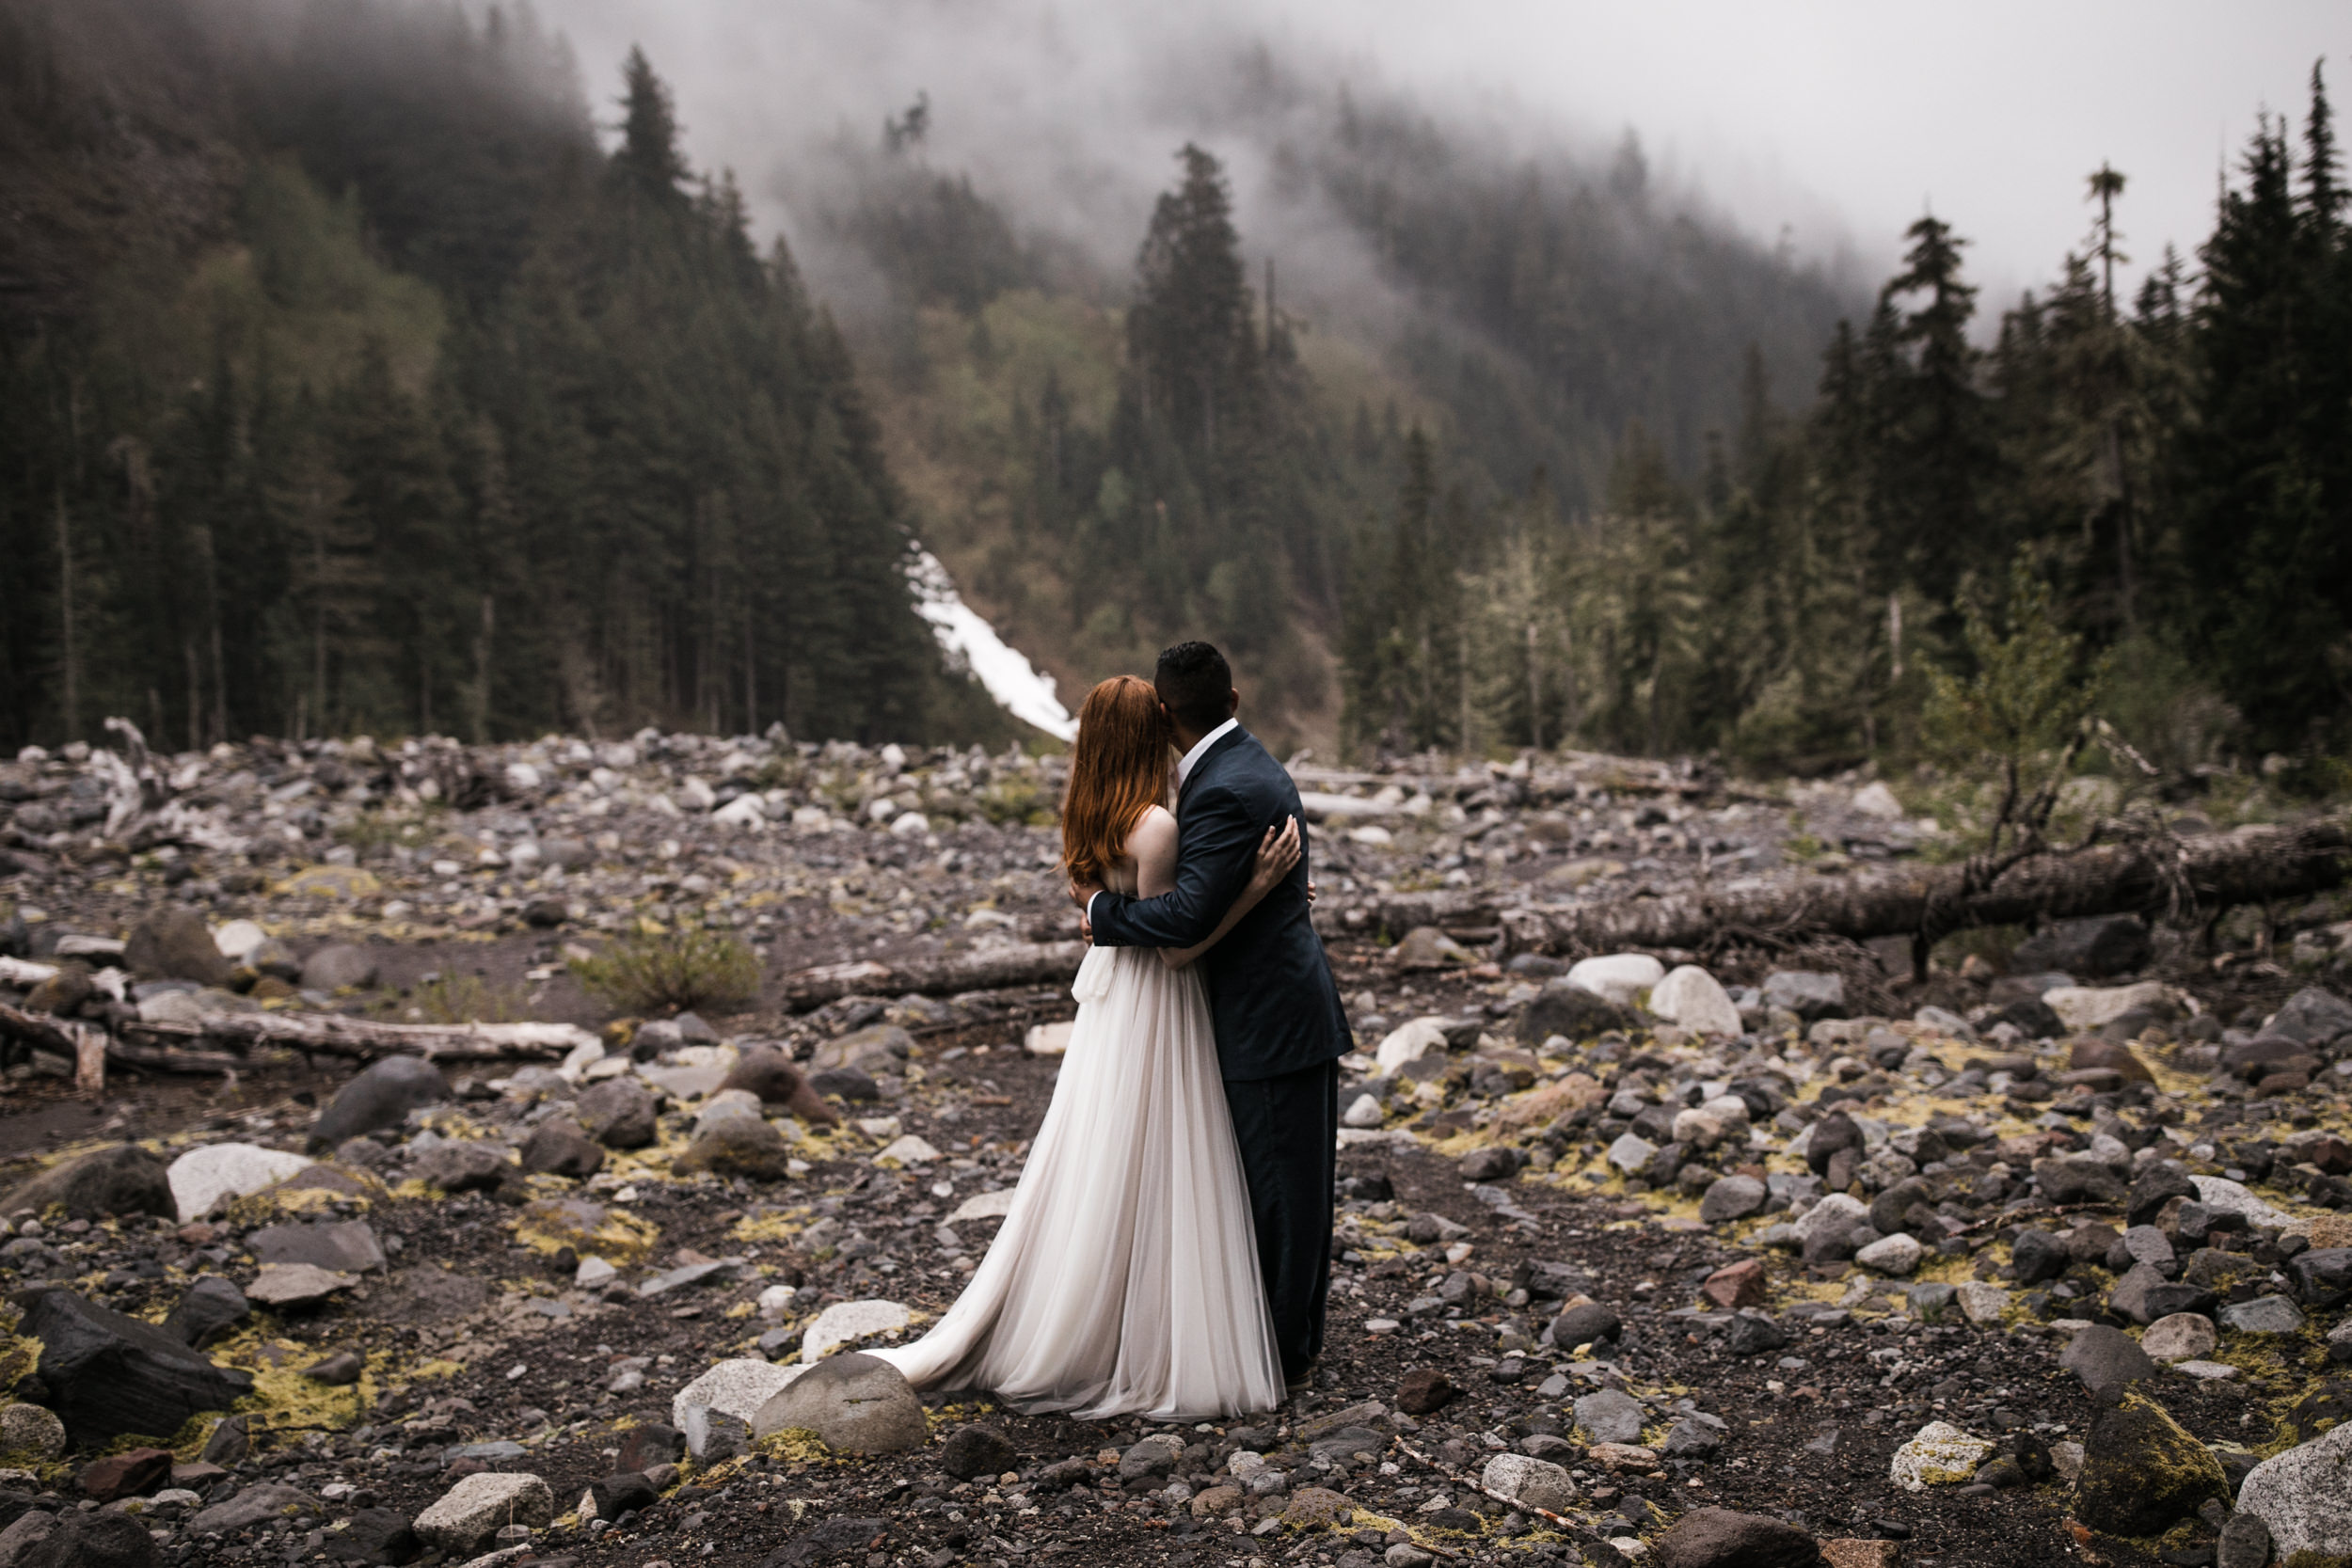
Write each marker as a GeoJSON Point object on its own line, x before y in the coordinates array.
{"type": "Point", "coordinates": [648, 160]}
{"type": "Point", "coordinates": [1940, 451]}
{"type": "Point", "coordinates": [1191, 340]}
{"type": "Point", "coordinates": [2267, 533]}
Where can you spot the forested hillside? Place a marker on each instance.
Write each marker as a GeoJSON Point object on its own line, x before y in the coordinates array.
{"type": "Point", "coordinates": [348, 385]}
{"type": "Point", "coordinates": [1596, 471]}
{"type": "Point", "coordinates": [2162, 483]}
{"type": "Point", "coordinates": [1100, 498]}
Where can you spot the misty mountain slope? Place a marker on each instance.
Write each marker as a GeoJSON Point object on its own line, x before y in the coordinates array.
{"type": "Point", "coordinates": [995, 421]}
{"type": "Point", "coordinates": [1524, 310]}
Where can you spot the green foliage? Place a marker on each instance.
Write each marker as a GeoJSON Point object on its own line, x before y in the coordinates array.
{"type": "Point", "coordinates": [673, 972]}
{"type": "Point", "coordinates": [373, 834]}
{"type": "Point", "coordinates": [2027, 694]}
{"type": "Point", "coordinates": [2266, 462]}
{"type": "Point", "coordinates": [1015, 800]}
{"type": "Point", "coordinates": [2022, 715]}
{"type": "Point", "coordinates": [460, 999]}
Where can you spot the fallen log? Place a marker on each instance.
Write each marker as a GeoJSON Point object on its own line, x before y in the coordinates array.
{"type": "Point", "coordinates": [86, 1046]}
{"type": "Point", "coordinates": [332, 1035]}
{"type": "Point", "coordinates": [24, 971]}
{"type": "Point", "coordinates": [2175, 879]}
{"type": "Point", "coordinates": [1370, 914]}
{"type": "Point", "coordinates": [1019, 963]}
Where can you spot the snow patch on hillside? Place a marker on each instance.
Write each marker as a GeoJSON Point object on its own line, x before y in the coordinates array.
{"type": "Point", "coordinates": [1020, 687]}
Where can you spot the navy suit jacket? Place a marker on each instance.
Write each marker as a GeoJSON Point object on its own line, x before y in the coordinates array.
{"type": "Point", "coordinates": [1271, 995]}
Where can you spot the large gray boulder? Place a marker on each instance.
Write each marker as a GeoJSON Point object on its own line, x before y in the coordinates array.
{"type": "Point", "coordinates": [2305, 1496]}
{"type": "Point", "coordinates": [339, 966]}
{"type": "Point", "coordinates": [381, 1096]}
{"type": "Point", "coordinates": [1572, 1012]}
{"type": "Point", "coordinates": [2313, 1015]}
{"type": "Point", "coordinates": [1609, 1416]}
{"type": "Point", "coordinates": [175, 944]}
{"type": "Point", "coordinates": [619, 1113]}
{"type": "Point", "coordinates": [347, 1244]}
{"type": "Point", "coordinates": [557, 1146]}
{"type": "Point", "coordinates": [2078, 1182]}
{"type": "Point", "coordinates": [207, 1310]}
{"type": "Point", "coordinates": [478, 1507]}
{"type": "Point", "coordinates": [255, 1505]}
{"type": "Point", "coordinates": [737, 1146]}
{"type": "Point", "coordinates": [2104, 1358]}
{"type": "Point", "coordinates": [1809, 994]}
{"type": "Point", "coordinates": [88, 1541]}
{"type": "Point", "coordinates": [2142, 1472]}
{"type": "Point", "coordinates": [854, 1403]}
{"type": "Point", "coordinates": [108, 1374]}
{"type": "Point", "coordinates": [878, 1049]}
{"type": "Point", "coordinates": [2096, 947]}
{"type": "Point", "coordinates": [1720, 1538]}
{"type": "Point", "coordinates": [461, 1168]}
{"type": "Point", "coordinates": [124, 1180]}
{"type": "Point", "coordinates": [1536, 1482]}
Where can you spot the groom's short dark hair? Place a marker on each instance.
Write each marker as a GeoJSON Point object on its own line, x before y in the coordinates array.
{"type": "Point", "coordinates": [1197, 685]}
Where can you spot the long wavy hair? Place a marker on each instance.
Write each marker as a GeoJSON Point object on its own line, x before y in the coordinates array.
{"type": "Point", "coordinates": [1118, 772]}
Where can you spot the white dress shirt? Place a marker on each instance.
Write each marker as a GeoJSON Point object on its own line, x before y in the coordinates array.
{"type": "Point", "coordinates": [1183, 770]}
{"type": "Point", "coordinates": [1199, 749]}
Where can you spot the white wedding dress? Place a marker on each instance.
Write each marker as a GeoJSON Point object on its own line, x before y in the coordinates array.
{"type": "Point", "coordinates": [1125, 1281]}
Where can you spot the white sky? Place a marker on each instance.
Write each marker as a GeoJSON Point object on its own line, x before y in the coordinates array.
{"type": "Point", "coordinates": [1837, 119]}
{"type": "Point", "coordinates": [1991, 113]}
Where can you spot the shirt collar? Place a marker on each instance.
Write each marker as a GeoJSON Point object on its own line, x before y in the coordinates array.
{"type": "Point", "coordinates": [1200, 748]}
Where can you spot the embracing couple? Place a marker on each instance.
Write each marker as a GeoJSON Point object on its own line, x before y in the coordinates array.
{"type": "Point", "coordinates": [1169, 1250]}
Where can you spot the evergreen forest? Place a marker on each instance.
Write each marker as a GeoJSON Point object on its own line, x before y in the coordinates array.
{"type": "Point", "coordinates": [2167, 479]}
{"type": "Point", "coordinates": [350, 386]}
{"type": "Point", "coordinates": [352, 381]}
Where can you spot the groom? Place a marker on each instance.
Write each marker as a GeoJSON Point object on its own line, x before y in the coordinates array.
{"type": "Point", "coordinates": [1279, 1027]}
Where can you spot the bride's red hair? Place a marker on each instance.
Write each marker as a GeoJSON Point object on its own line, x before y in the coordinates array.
{"type": "Point", "coordinates": [1118, 772]}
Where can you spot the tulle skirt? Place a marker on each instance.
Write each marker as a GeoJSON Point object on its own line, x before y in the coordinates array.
{"type": "Point", "coordinates": [1125, 1281]}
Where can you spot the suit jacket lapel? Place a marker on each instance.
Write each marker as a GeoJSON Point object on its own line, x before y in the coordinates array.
{"type": "Point", "coordinates": [1209, 759]}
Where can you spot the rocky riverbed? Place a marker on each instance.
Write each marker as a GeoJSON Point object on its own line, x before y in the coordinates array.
{"type": "Point", "coordinates": [1775, 1257]}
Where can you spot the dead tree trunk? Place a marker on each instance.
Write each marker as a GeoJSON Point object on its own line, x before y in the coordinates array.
{"type": "Point", "coordinates": [1367, 914]}
{"type": "Point", "coordinates": [1013, 964]}
{"type": "Point", "coordinates": [2174, 878]}
{"type": "Point", "coordinates": [88, 1047]}
{"type": "Point", "coordinates": [330, 1034]}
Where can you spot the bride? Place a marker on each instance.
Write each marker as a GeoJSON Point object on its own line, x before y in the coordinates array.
{"type": "Point", "coordinates": [1125, 1278]}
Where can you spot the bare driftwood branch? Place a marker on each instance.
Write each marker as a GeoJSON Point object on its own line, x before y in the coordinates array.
{"type": "Point", "coordinates": [24, 971]}
{"type": "Point", "coordinates": [984, 969]}
{"type": "Point", "coordinates": [2159, 879]}
{"type": "Point", "coordinates": [1367, 914]}
{"type": "Point", "coordinates": [89, 1050]}
{"type": "Point", "coordinates": [330, 1034]}
{"type": "Point", "coordinates": [178, 1047]}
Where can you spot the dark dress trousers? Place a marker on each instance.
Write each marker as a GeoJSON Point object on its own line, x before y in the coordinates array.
{"type": "Point", "coordinates": [1279, 1027]}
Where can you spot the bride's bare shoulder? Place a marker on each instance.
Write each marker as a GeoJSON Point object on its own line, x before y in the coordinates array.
{"type": "Point", "coordinates": [1154, 830]}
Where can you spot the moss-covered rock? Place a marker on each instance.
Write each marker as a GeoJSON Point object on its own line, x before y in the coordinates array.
{"type": "Point", "coordinates": [2142, 1472]}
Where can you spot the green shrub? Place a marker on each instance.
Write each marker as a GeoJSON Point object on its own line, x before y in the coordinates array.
{"type": "Point", "coordinates": [673, 972]}
{"type": "Point", "coordinates": [1014, 800]}
{"type": "Point", "coordinates": [460, 999]}
{"type": "Point", "coordinates": [371, 834]}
